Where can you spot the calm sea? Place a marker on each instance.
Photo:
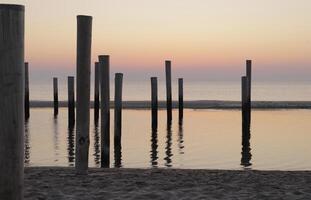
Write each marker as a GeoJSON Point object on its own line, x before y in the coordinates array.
{"type": "Point", "coordinates": [193, 90]}
{"type": "Point", "coordinates": [207, 139]}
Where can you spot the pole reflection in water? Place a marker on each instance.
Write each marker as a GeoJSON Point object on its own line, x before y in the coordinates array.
{"type": "Point", "coordinates": [181, 137]}
{"type": "Point", "coordinates": [27, 144]}
{"type": "Point", "coordinates": [117, 155]}
{"type": "Point", "coordinates": [246, 150]}
{"type": "Point", "coordinates": [96, 145]}
{"type": "Point", "coordinates": [70, 148]}
{"type": "Point", "coordinates": [168, 148]}
{"type": "Point", "coordinates": [55, 138]}
{"type": "Point", "coordinates": [154, 148]}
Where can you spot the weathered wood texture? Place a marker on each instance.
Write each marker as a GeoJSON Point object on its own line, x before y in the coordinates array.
{"type": "Point", "coordinates": [105, 109]}
{"type": "Point", "coordinates": [12, 82]}
{"type": "Point", "coordinates": [84, 42]}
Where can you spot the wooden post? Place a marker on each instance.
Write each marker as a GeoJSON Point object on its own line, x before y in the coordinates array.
{"type": "Point", "coordinates": [181, 99]}
{"type": "Point", "coordinates": [168, 90]}
{"type": "Point", "coordinates": [55, 92]}
{"type": "Point", "coordinates": [84, 40]}
{"type": "Point", "coordinates": [105, 109]}
{"type": "Point", "coordinates": [249, 82]}
{"type": "Point", "coordinates": [27, 111]}
{"type": "Point", "coordinates": [96, 145]}
{"type": "Point", "coordinates": [12, 83]}
{"type": "Point", "coordinates": [246, 155]}
{"type": "Point", "coordinates": [249, 75]}
{"type": "Point", "coordinates": [71, 102]}
{"type": "Point", "coordinates": [245, 102]}
{"type": "Point", "coordinates": [245, 106]}
{"type": "Point", "coordinates": [96, 93]}
{"type": "Point", "coordinates": [118, 109]}
{"type": "Point", "coordinates": [154, 103]}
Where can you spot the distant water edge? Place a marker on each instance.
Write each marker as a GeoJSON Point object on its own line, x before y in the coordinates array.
{"type": "Point", "coordinates": [200, 104]}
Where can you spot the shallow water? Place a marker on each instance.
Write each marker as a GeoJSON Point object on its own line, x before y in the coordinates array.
{"type": "Point", "coordinates": [207, 139]}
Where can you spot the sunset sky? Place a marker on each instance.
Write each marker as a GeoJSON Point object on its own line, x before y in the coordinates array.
{"type": "Point", "coordinates": [203, 38]}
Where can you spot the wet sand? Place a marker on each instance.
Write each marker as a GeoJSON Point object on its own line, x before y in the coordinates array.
{"type": "Point", "coordinates": [201, 104]}
{"type": "Point", "coordinates": [62, 183]}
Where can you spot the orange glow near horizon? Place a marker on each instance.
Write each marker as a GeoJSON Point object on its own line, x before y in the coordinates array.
{"type": "Point", "coordinates": [198, 34]}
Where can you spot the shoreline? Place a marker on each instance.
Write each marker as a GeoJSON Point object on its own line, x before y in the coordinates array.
{"type": "Point", "coordinates": [160, 183]}
{"type": "Point", "coordinates": [199, 104]}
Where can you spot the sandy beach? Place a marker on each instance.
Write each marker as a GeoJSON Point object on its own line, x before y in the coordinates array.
{"type": "Point", "coordinates": [62, 183]}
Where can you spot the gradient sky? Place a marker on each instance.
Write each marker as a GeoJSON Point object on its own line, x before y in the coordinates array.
{"type": "Point", "coordinates": [203, 38]}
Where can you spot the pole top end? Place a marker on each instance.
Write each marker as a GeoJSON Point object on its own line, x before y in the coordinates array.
{"type": "Point", "coordinates": [12, 7]}
{"type": "Point", "coordinates": [84, 16]}
{"type": "Point", "coordinates": [103, 57]}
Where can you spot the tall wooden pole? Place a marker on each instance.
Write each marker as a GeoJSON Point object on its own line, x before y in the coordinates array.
{"type": "Point", "coordinates": [245, 104]}
{"type": "Point", "coordinates": [55, 94]}
{"type": "Point", "coordinates": [27, 111]}
{"type": "Point", "coordinates": [249, 83]}
{"type": "Point", "coordinates": [118, 109]}
{"type": "Point", "coordinates": [246, 155]}
{"type": "Point", "coordinates": [96, 93]}
{"type": "Point", "coordinates": [249, 75]}
{"type": "Point", "coordinates": [154, 103]}
{"type": "Point", "coordinates": [181, 99]}
{"type": "Point", "coordinates": [105, 109]}
{"type": "Point", "coordinates": [71, 101]}
{"type": "Point", "coordinates": [168, 90]}
{"type": "Point", "coordinates": [84, 40]}
{"type": "Point", "coordinates": [118, 119]}
{"type": "Point", "coordinates": [12, 82]}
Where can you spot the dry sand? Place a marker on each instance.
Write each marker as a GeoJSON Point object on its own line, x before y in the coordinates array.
{"type": "Point", "coordinates": [61, 183]}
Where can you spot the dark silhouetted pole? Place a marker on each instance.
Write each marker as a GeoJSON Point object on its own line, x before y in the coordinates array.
{"type": "Point", "coordinates": [249, 82]}
{"type": "Point", "coordinates": [181, 99]}
{"type": "Point", "coordinates": [84, 41]}
{"type": "Point", "coordinates": [27, 111]}
{"type": "Point", "coordinates": [105, 109]}
{"type": "Point", "coordinates": [118, 119]}
{"type": "Point", "coordinates": [55, 92]}
{"type": "Point", "coordinates": [12, 82]}
{"type": "Point", "coordinates": [245, 102]}
{"type": "Point", "coordinates": [154, 103]}
{"type": "Point", "coordinates": [118, 108]}
{"type": "Point", "coordinates": [249, 75]}
{"type": "Point", "coordinates": [71, 101]}
{"type": "Point", "coordinates": [96, 93]}
{"type": "Point", "coordinates": [168, 74]}
{"type": "Point", "coordinates": [246, 155]}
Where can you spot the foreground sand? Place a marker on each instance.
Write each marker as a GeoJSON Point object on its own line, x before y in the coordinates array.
{"type": "Point", "coordinates": [62, 183]}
